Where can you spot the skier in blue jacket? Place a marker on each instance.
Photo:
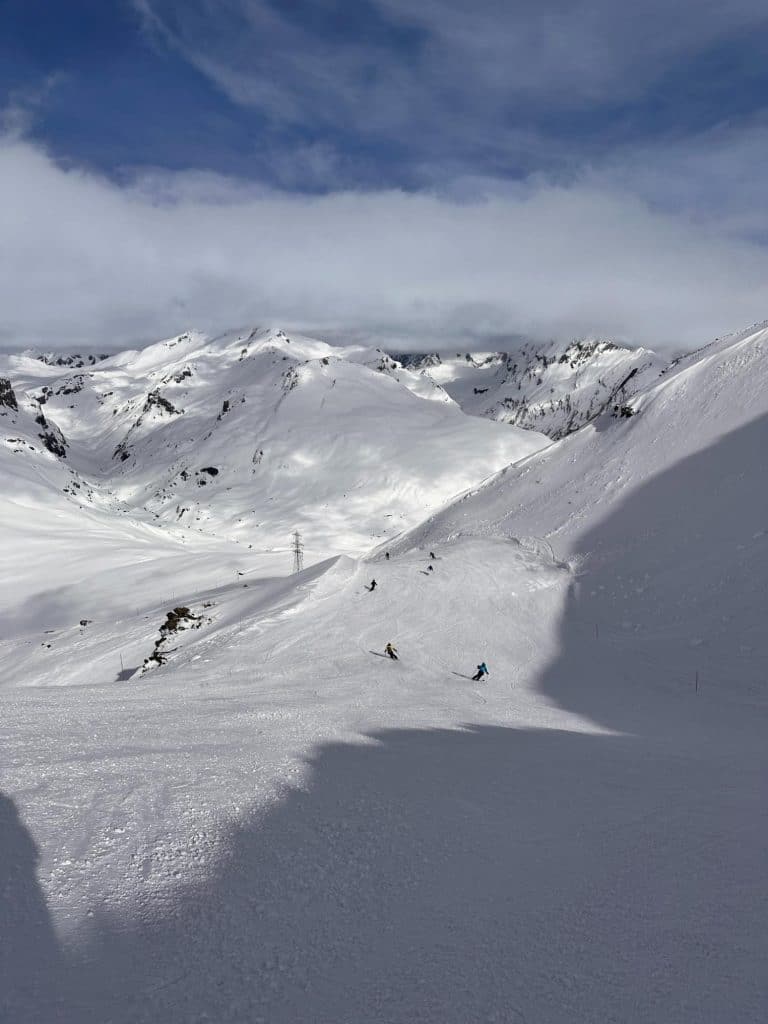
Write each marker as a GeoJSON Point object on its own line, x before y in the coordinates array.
{"type": "Point", "coordinates": [482, 670]}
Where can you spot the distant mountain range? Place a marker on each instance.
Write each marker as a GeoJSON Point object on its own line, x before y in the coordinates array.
{"type": "Point", "coordinates": [553, 388]}
{"type": "Point", "coordinates": [248, 436]}
{"type": "Point", "coordinates": [254, 433]}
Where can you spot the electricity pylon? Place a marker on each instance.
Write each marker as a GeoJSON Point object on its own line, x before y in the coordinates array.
{"type": "Point", "coordinates": [298, 552]}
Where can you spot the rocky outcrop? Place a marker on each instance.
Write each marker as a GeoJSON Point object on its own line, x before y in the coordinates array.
{"type": "Point", "coordinates": [7, 396]}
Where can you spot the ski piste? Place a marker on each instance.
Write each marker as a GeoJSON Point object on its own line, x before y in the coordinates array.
{"type": "Point", "coordinates": [271, 823]}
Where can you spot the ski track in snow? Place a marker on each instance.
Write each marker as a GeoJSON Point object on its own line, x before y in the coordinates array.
{"type": "Point", "coordinates": [279, 826]}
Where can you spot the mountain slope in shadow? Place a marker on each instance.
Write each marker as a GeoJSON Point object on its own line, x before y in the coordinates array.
{"type": "Point", "coordinates": [672, 589]}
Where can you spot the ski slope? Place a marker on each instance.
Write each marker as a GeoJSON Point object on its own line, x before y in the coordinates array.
{"type": "Point", "coordinates": [281, 824]}
{"type": "Point", "coordinates": [664, 511]}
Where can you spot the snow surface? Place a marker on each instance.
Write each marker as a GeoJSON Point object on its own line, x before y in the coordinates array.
{"type": "Point", "coordinates": [282, 824]}
{"type": "Point", "coordinates": [254, 434]}
{"type": "Point", "coordinates": [554, 388]}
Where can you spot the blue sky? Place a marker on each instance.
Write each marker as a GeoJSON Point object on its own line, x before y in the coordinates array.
{"type": "Point", "coordinates": [657, 109]}
{"type": "Point", "coordinates": [384, 96]}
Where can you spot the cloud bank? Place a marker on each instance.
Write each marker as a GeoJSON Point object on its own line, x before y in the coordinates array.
{"type": "Point", "coordinates": [87, 261]}
{"type": "Point", "coordinates": [425, 174]}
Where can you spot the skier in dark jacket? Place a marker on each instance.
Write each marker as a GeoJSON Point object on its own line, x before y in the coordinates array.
{"type": "Point", "coordinates": [482, 670]}
{"type": "Point", "coordinates": [373, 585]}
{"type": "Point", "coordinates": [392, 652]}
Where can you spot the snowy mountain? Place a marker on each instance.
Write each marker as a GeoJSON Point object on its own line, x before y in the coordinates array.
{"type": "Point", "coordinates": [225, 802]}
{"type": "Point", "coordinates": [73, 360]}
{"type": "Point", "coordinates": [252, 435]}
{"type": "Point", "coordinates": [552, 388]}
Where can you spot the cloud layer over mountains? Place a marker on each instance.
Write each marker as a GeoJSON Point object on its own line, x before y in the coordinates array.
{"type": "Point", "coordinates": [92, 261]}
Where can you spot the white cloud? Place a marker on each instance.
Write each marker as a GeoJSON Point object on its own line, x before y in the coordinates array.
{"type": "Point", "coordinates": [714, 175]}
{"type": "Point", "coordinates": [86, 261]}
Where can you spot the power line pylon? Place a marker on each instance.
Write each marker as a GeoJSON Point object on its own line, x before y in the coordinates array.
{"type": "Point", "coordinates": [298, 552]}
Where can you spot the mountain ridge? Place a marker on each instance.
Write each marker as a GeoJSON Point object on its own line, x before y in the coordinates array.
{"type": "Point", "coordinates": [221, 434]}
{"type": "Point", "coordinates": [555, 387]}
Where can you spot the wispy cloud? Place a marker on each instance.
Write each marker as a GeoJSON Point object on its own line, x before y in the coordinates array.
{"type": "Point", "coordinates": [440, 94]}
{"type": "Point", "coordinates": [23, 106]}
{"type": "Point", "coordinates": [89, 262]}
{"type": "Point", "coordinates": [399, 64]}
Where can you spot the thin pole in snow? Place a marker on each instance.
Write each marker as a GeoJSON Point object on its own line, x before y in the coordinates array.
{"type": "Point", "coordinates": [122, 667]}
{"type": "Point", "coordinates": [697, 680]}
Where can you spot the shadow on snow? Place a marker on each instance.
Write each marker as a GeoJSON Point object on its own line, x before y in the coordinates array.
{"type": "Point", "coordinates": [489, 874]}
{"type": "Point", "coordinates": [447, 876]}
{"type": "Point", "coordinates": [673, 587]}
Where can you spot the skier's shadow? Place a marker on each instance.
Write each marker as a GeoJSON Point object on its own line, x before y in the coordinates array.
{"type": "Point", "coordinates": [462, 676]}
{"type": "Point", "coordinates": [378, 654]}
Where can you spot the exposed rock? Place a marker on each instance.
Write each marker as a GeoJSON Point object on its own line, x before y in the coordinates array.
{"type": "Point", "coordinates": [179, 619]}
{"type": "Point", "coordinates": [157, 401]}
{"type": "Point", "coordinates": [122, 451]}
{"type": "Point", "coordinates": [51, 436]}
{"type": "Point", "coordinates": [75, 359]}
{"type": "Point", "coordinates": [7, 395]}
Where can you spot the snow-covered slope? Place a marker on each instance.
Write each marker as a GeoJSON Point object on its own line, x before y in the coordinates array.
{"type": "Point", "coordinates": [273, 821]}
{"type": "Point", "coordinates": [665, 510]}
{"type": "Point", "coordinates": [551, 387]}
{"type": "Point", "coordinates": [252, 435]}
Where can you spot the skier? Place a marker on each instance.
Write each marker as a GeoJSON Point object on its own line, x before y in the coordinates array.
{"type": "Point", "coordinates": [386, 555]}
{"type": "Point", "coordinates": [432, 555]}
{"type": "Point", "coordinates": [372, 586]}
{"type": "Point", "coordinates": [482, 670]}
{"type": "Point", "coordinates": [431, 568]}
{"type": "Point", "coordinates": [392, 652]}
